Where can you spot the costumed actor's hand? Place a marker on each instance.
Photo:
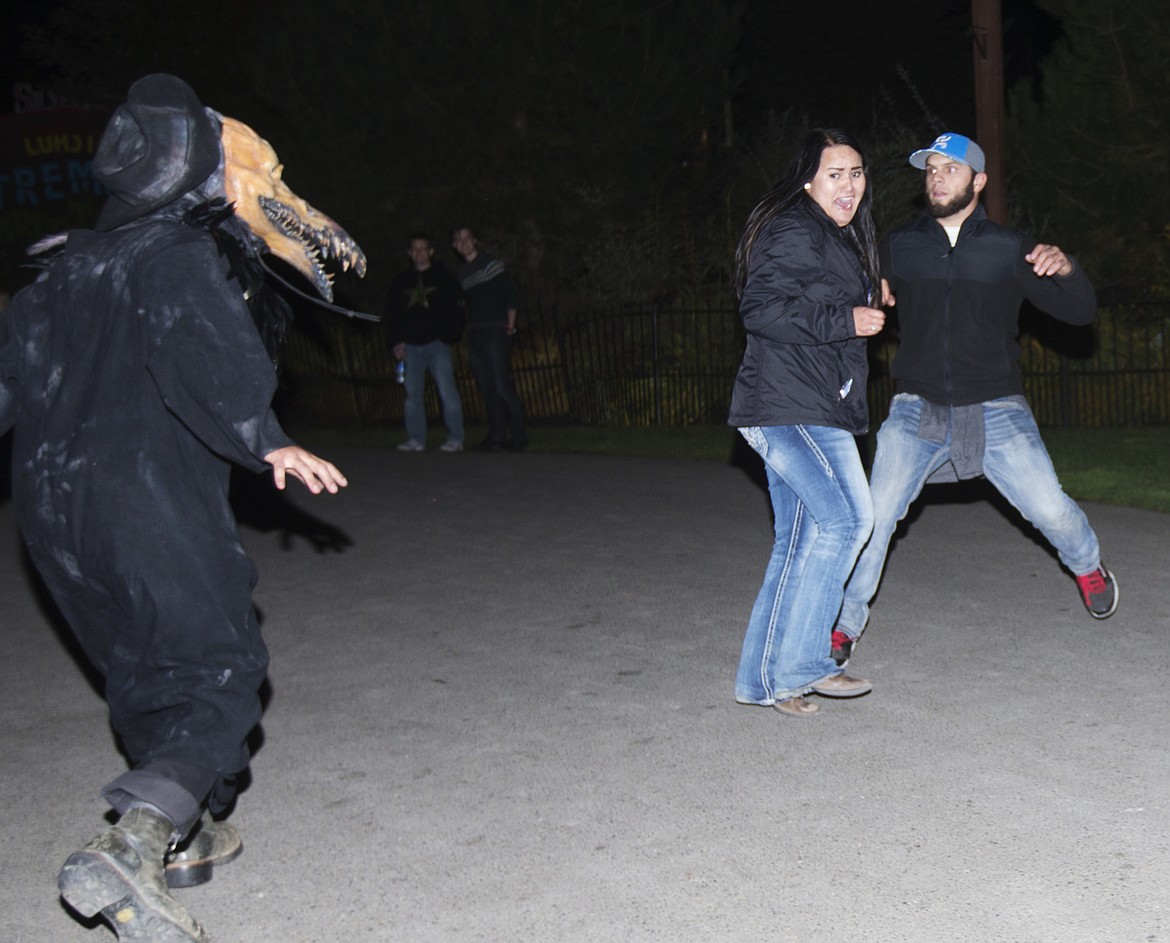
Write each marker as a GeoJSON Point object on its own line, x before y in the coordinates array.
{"type": "Point", "coordinates": [317, 474]}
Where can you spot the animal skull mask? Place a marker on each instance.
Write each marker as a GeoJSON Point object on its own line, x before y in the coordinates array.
{"type": "Point", "coordinates": [288, 226]}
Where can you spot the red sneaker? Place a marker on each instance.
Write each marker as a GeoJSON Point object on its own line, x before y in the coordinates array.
{"type": "Point", "coordinates": [843, 646]}
{"type": "Point", "coordinates": [1099, 593]}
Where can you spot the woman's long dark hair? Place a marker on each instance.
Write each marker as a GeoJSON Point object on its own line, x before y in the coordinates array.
{"type": "Point", "coordinates": [803, 167]}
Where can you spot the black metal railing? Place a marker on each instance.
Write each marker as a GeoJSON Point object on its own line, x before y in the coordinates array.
{"type": "Point", "coordinates": [674, 365]}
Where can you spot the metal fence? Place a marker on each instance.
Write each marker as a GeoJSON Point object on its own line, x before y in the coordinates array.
{"type": "Point", "coordinates": [657, 365]}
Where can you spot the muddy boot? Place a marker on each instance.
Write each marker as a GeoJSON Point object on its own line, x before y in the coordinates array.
{"type": "Point", "coordinates": [210, 844]}
{"type": "Point", "coordinates": [120, 874]}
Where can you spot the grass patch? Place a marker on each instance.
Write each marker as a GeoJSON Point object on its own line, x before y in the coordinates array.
{"type": "Point", "coordinates": [1126, 467]}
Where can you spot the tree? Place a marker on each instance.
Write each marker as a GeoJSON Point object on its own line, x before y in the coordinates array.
{"type": "Point", "coordinates": [1089, 147]}
{"type": "Point", "coordinates": [542, 124]}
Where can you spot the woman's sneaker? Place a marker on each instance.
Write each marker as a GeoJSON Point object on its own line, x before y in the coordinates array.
{"type": "Point", "coordinates": [1099, 593]}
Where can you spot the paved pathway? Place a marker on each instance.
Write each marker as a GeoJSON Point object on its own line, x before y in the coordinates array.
{"type": "Point", "coordinates": [504, 714]}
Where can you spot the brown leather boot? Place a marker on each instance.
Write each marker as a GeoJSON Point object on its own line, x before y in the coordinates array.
{"type": "Point", "coordinates": [120, 875]}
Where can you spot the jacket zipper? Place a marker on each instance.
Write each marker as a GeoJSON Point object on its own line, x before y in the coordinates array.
{"type": "Point", "coordinates": [947, 317]}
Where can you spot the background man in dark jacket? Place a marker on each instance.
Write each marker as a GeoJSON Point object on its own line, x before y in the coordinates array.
{"type": "Point", "coordinates": [959, 410]}
{"type": "Point", "coordinates": [425, 315]}
{"type": "Point", "coordinates": [491, 321]}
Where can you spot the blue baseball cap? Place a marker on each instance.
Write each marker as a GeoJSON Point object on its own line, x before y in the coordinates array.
{"type": "Point", "coordinates": [953, 146]}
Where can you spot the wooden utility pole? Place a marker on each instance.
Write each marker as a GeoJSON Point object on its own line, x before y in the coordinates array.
{"type": "Point", "coordinates": [987, 42]}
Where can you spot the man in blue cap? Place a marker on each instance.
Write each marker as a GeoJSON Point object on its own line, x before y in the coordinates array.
{"type": "Point", "coordinates": [958, 281]}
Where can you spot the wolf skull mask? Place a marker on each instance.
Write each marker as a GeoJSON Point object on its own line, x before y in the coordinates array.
{"type": "Point", "coordinates": [163, 144]}
{"type": "Point", "coordinates": [288, 226]}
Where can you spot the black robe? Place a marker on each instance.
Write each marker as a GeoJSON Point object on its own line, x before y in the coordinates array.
{"type": "Point", "coordinates": [134, 375]}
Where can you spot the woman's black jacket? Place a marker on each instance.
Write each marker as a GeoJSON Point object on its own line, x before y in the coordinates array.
{"type": "Point", "coordinates": [804, 363]}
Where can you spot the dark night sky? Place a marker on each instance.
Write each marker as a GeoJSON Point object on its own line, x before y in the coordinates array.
{"type": "Point", "coordinates": [829, 62]}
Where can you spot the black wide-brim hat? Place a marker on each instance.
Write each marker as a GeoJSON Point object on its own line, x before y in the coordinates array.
{"type": "Point", "coordinates": [159, 145]}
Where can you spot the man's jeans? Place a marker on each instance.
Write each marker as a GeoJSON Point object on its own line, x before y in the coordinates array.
{"type": "Point", "coordinates": [489, 350]}
{"type": "Point", "coordinates": [823, 515]}
{"type": "Point", "coordinates": [1014, 460]}
{"type": "Point", "coordinates": [436, 357]}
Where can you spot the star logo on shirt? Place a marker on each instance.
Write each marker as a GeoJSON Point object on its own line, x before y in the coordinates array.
{"type": "Point", "coordinates": [416, 297]}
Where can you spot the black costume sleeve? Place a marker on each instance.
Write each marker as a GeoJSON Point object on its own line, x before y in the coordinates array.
{"type": "Point", "coordinates": [205, 356]}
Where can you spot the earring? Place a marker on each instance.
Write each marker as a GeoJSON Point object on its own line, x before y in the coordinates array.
{"type": "Point", "coordinates": [808, 186]}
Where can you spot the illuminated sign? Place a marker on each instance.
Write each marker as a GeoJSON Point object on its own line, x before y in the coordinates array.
{"type": "Point", "coordinates": [46, 176]}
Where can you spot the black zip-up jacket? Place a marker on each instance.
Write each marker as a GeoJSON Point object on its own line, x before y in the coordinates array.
{"type": "Point", "coordinates": [958, 310]}
{"type": "Point", "coordinates": [804, 363]}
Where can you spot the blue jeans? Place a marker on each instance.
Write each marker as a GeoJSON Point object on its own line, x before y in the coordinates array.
{"type": "Point", "coordinates": [1014, 460]}
{"type": "Point", "coordinates": [436, 357]}
{"type": "Point", "coordinates": [823, 515]}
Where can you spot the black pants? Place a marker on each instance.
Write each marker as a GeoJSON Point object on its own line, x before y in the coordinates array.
{"type": "Point", "coordinates": [171, 627]}
{"type": "Point", "coordinates": [490, 353]}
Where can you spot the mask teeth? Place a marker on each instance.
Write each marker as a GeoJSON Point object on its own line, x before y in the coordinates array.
{"type": "Point", "coordinates": [318, 242]}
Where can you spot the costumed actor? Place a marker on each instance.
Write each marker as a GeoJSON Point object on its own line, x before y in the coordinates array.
{"type": "Point", "coordinates": [134, 373]}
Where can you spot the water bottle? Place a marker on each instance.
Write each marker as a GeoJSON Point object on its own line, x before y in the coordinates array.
{"type": "Point", "coordinates": [400, 371]}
